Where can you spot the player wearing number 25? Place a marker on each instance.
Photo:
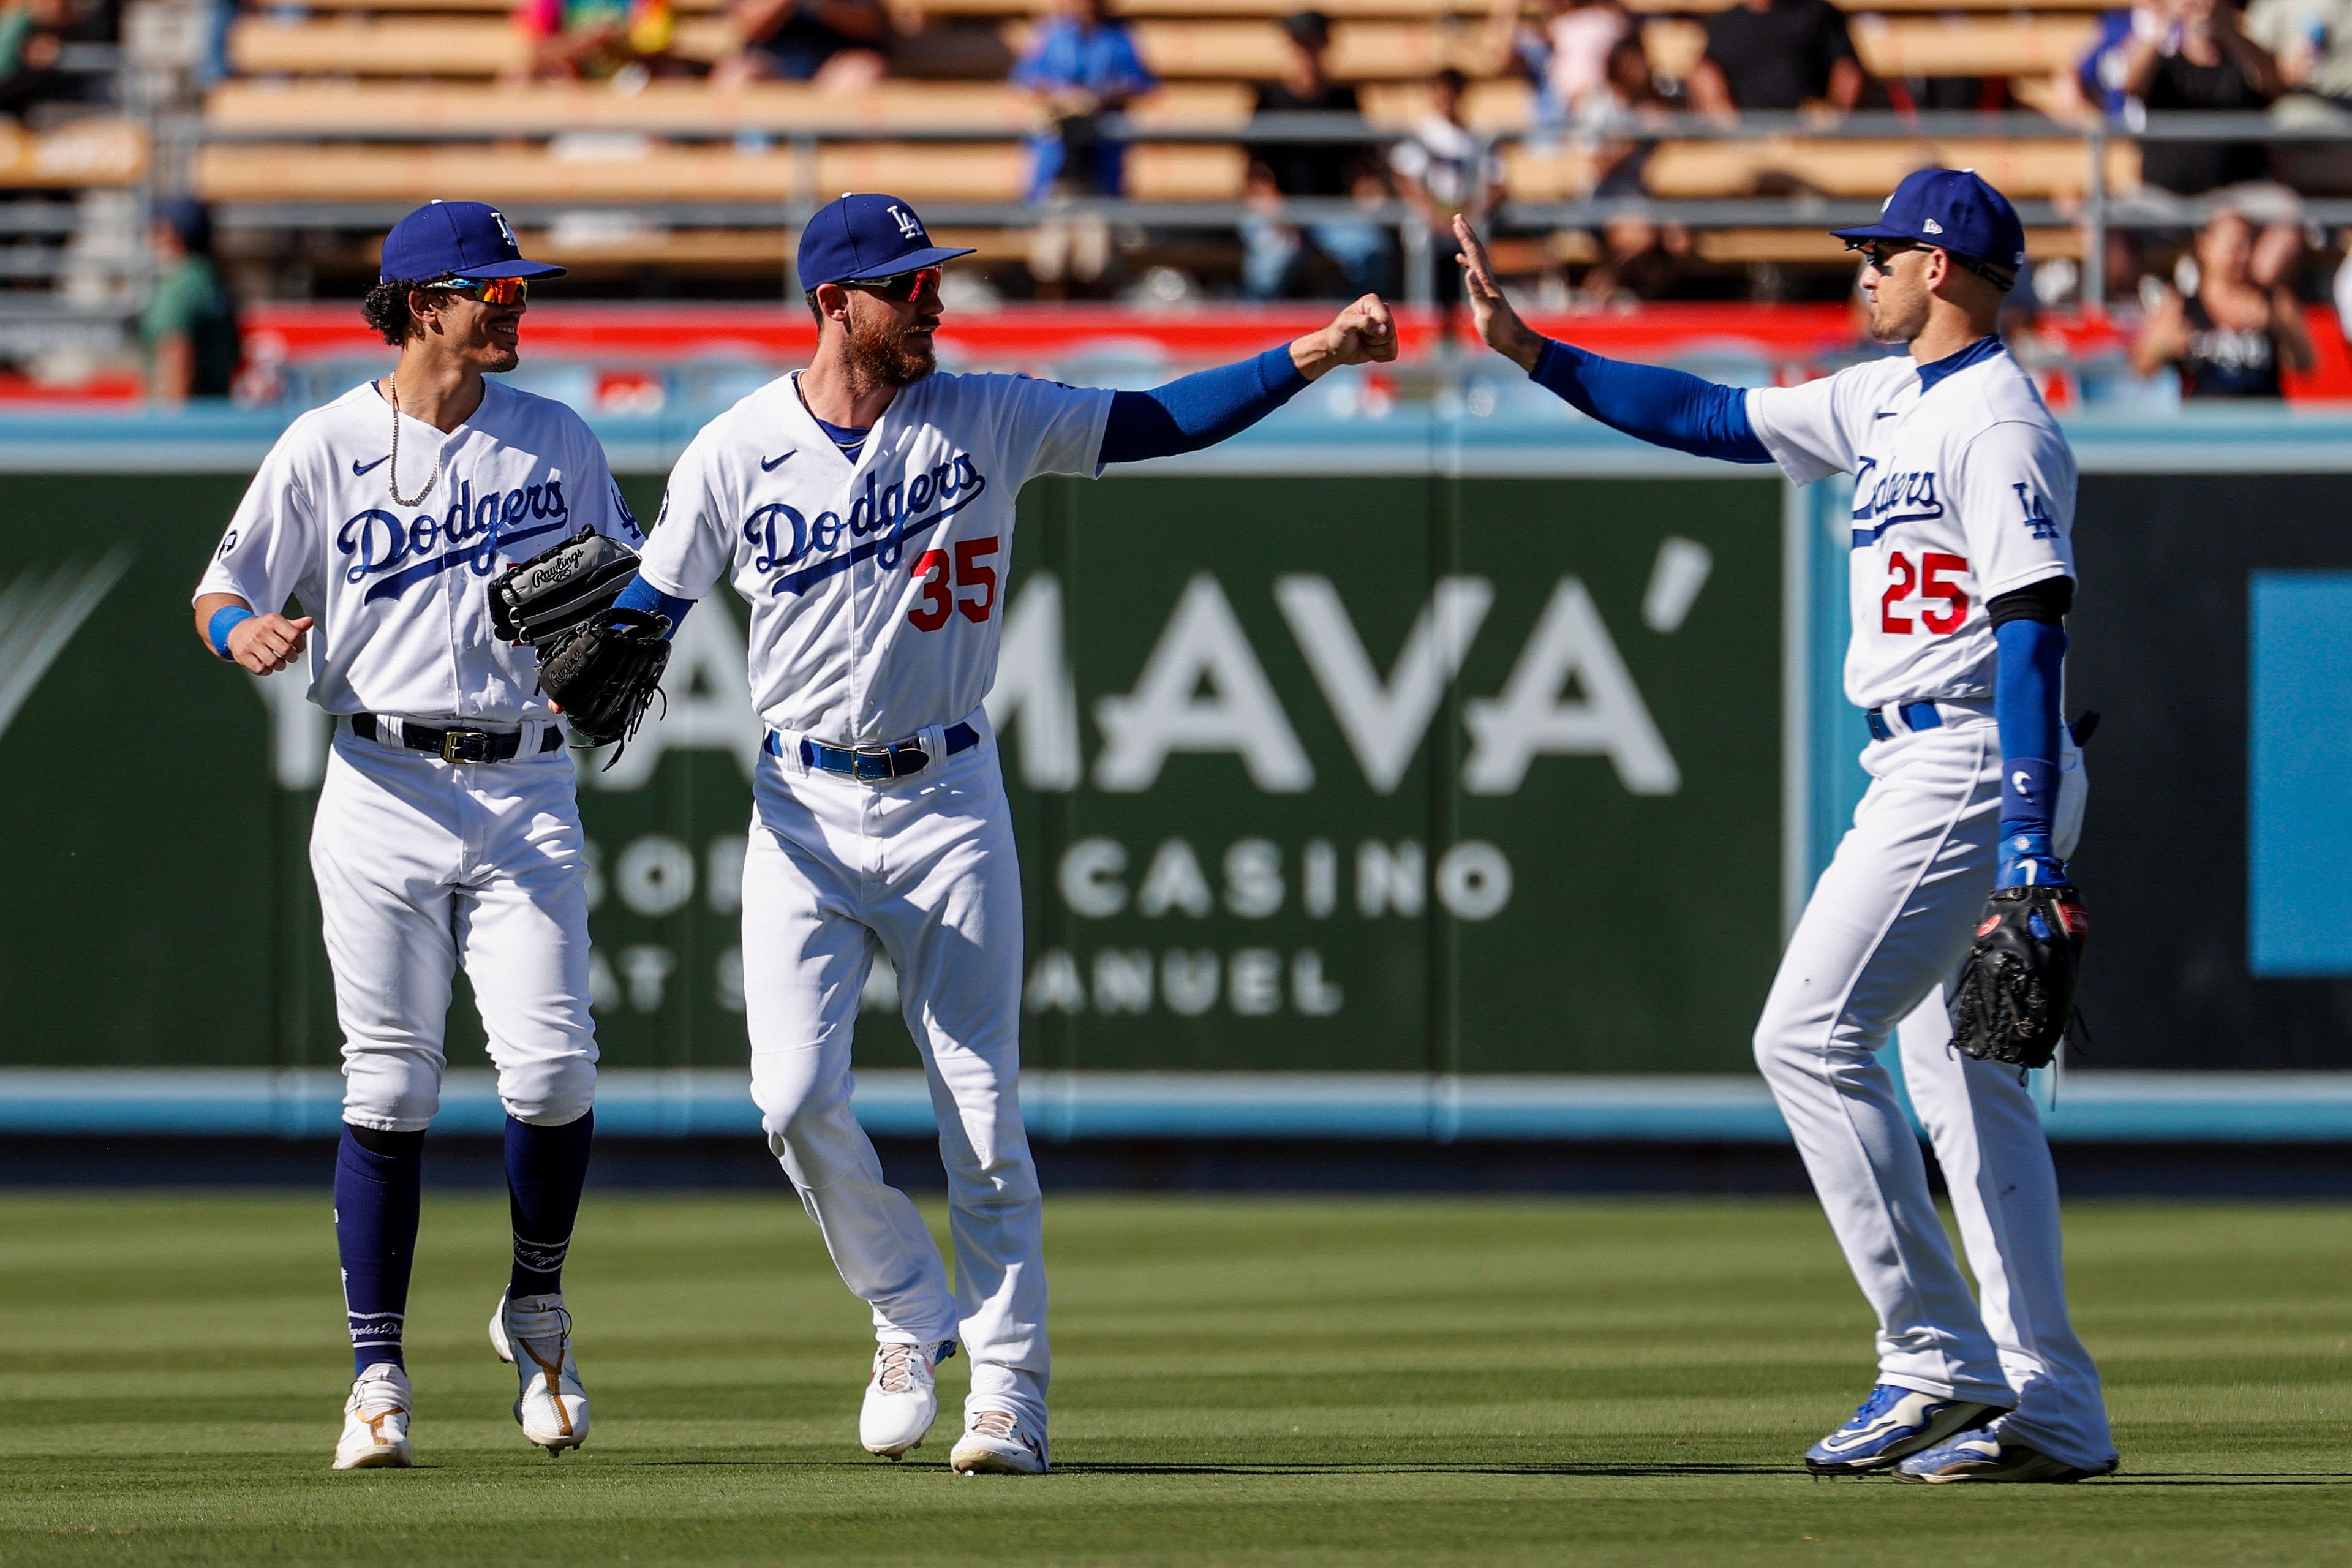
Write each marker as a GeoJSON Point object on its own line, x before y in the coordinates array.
{"type": "Point", "coordinates": [864, 508]}
{"type": "Point", "coordinates": [1962, 573]}
{"type": "Point", "coordinates": [447, 833]}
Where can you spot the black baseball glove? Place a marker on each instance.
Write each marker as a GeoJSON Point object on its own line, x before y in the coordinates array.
{"type": "Point", "coordinates": [2016, 991]}
{"type": "Point", "coordinates": [602, 665]}
{"type": "Point", "coordinates": [606, 674]}
{"type": "Point", "coordinates": [563, 587]}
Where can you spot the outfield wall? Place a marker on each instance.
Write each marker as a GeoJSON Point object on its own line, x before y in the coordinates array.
{"type": "Point", "coordinates": [1399, 777]}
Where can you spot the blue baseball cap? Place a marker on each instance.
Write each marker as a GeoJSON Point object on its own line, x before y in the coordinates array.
{"type": "Point", "coordinates": [456, 239]}
{"type": "Point", "coordinates": [866, 236]}
{"type": "Point", "coordinates": [1954, 210]}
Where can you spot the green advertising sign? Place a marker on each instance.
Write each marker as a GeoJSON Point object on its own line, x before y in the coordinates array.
{"type": "Point", "coordinates": [1392, 773]}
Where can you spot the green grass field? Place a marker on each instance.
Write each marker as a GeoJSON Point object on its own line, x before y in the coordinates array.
{"type": "Point", "coordinates": [1238, 1381]}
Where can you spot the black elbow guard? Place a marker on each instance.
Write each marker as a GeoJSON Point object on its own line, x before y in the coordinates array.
{"type": "Point", "coordinates": [2047, 601]}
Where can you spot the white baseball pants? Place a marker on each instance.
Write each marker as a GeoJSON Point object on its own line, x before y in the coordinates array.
{"type": "Point", "coordinates": [922, 868]}
{"type": "Point", "coordinates": [1886, 931]}
{"type": "Point", "coordinates": [423, 865]}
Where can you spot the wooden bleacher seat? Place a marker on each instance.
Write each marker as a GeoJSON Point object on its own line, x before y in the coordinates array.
{"type": "Point", "coordinates": [2035, 170]}
{"type": "Point", "coordinates": [78, 154]}
{"type": "Point", "coordinates": [357, 46]}
{"type": "Point", "coordinates": [645, 173]}
{"type": "Point", "coordinates": [546, 108]}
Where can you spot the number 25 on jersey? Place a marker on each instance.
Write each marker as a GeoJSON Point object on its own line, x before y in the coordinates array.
{"type": "Point", "coordinates": [949, 584]}
{"type": "Point", "coordinates": [1913, 590]}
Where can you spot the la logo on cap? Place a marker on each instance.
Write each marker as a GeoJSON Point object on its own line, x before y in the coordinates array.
{"type": "Point", "coordinates": [909, 229]}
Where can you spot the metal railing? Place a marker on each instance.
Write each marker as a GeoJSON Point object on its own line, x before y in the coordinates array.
{"type": "Point", "coordinates": [2096, 212]}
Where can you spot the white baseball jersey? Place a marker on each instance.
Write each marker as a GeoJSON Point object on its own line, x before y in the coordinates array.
{"type": "Point", "coordinates": [876, 586]}
{"type": "Point", "coordinates": [1962, 492]}
{"type": "Point", "coordinates": [401, 593]}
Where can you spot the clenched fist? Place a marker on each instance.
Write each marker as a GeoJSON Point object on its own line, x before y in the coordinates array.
{"type": "Point", "coordinates": [1364, 331]}
{"type": "Point", "coordinates": [267, 644]}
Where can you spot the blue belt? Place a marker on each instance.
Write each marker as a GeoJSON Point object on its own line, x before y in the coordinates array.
{"type": "Point", "coordinates": [1915, 715]}
{"type": "Point", "coordinates": [894, 761]}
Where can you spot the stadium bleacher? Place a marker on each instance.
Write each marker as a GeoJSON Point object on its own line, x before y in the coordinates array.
{"type": "Point", "coordinates": [342, 108]}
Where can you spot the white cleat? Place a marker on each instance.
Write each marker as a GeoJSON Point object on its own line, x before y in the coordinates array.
{"type": "Point", "coordinates": [375, 1421]}
{"type": "Point", "coordinates": [901, 1402]}
{"type": "Point", "coordinates": [998, 1443]}
{"type": "Point", "coordinates": [535, 1334]}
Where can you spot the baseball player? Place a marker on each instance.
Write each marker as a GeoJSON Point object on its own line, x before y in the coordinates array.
{"type": "Point", "coordinates": [1962, 574]}
{"type": "Point", "coordinates": [864, 507]}
{"type": "Point", "coordinates": [446, 831]}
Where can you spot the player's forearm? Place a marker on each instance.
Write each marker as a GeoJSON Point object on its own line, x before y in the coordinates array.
{"type": "Point", "coordinates": [217, 614]}
{"type": "Point", "coordinates": [643, 595]}
{"type": "Point", "coordinates": [1664, 407]}
{"type": "Point", "coordinates": [1202, 409]}
{"type": "Point", "coordinates": [2029, 684]}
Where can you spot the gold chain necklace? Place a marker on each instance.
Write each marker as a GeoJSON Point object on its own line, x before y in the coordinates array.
{"type": "Point", "coordinates": [392, 469]}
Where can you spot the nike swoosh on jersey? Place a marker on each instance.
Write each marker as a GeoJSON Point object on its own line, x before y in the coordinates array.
{"type": "Point", "coordinates": [768, 465]}
{"type": "Point", "coordinates": [360, 468]}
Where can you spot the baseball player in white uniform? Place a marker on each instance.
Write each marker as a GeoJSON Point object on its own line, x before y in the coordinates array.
{"type": "Point", "coordinates": [1962, 573]}
{"type": "Point", "coordinates": [864, 507]}
{"type": "Point", "coordinates": [447, 832]}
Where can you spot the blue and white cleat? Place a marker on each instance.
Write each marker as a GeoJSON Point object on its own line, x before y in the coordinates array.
{"type": "Point", "coordinates": [1986, 1456]}
{"type": "Point", "coordinates": [1892, 1424]}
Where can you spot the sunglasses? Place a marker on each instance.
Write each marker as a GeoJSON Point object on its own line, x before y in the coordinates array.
{"type": "Point", "coordinates": [489, 291]}
{"type": "Point", "coordinates": [1877, 253]}
{"type": "Point", "coordinates": [900, 289]}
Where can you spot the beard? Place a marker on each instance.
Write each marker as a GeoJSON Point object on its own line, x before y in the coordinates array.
{"type": "Point", "coordinates": [888, 354]}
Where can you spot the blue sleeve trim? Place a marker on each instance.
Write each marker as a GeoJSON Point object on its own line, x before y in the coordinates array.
{"type": "Point", "coordinates": [2028, 685]}
{"type": "Point", "coordinates": [1664, 407]}
{"type": "Point", "coordinates": [1198, 410]}
{"type": "Point", "coordinates": [226, 619]}
{"type": "Point", "coordinates": [641, 595]}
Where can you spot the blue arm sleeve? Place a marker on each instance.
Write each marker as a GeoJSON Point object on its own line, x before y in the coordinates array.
{"type": "Point", "coordinates": [2027, 686]}
{"type": "Point", "coordinates": [641, 595]}
{"type": "Point", "coordinates": [1664, 407]}
{"type": "Point", "coordinates": [1198, 410]}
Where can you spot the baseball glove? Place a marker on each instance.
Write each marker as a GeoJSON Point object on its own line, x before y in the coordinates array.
{"type": "Point", "coordinates": [602, 665]}
{"type": "Point", "coordinates": [606, 674]}
{"type": "Point", "coordinates": [565, 587]}
{"type": "Point", "coordinates": [2016, 991]}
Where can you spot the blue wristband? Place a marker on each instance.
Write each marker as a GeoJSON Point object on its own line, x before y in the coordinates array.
{"type": "Point", "coordinates": [226, 619]}
{"type": "Point", "coordinates": [2028, 792]}
{"type": "Point", "coordinates": [2028, 858]}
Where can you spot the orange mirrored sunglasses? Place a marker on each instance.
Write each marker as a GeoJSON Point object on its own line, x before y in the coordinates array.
{"type": "Point", "coordinates": [900, 289]}
{"type": "Point", "coordinates": [489, 291]}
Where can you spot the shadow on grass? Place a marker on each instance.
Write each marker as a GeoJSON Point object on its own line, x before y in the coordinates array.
{"type": "Point", "coordinates": [1408, 1467]}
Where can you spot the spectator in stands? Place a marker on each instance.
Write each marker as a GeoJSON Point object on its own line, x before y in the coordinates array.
{"type": "Point", "coordinates": [1566, 58]}
{"type": "Point", "coordinates": [2312, 42]}
{"type": "Point", "coordinates": [1443, 168]}
{"type": "Point", "coordinates": [2097, 84]}
{"type": "Point", "coordinates": [1619, 126]}
{"type": "Point", "coordinates": [1777, 55]}
{"type": "Point", "coordinates": [574, 40]}
{"type": "Point", "coordinates": [1080, 66]}
{"type": "Point", "coordinates": [2239, 326]}
{"type": "Point", "coordinates": [2203, 60]}
{"type": "Point", "coordinates": [32, 38]}
{"type": "Point", "coordinates": [189, 329]}
{"type": "Point", "coordinates": [837, 45]}
{"type": "Point", "coordinates": [1274, 248]}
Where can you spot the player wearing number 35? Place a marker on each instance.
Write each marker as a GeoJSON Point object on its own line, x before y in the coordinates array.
{"type": "Point", "coordinates": [1962, 573]}
{"type": "Point", "coordinates": [864, 508]}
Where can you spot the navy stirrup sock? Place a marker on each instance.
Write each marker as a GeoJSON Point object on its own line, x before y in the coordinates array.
{"type": "Point", "coordinates": [546, 1168]}
{"type": "Point", "coordinates": [379, 1182]}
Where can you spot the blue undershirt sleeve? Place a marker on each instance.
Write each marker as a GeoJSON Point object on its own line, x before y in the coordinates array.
{"type": "Point", "coordinates": [1664, 407]}
{"type": "Point", "coordinates": [2028, 685]}
{"type": "Point", "coordinates": [641, 595]}
{"type": "Point", "coordinates": [1198, 410]}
